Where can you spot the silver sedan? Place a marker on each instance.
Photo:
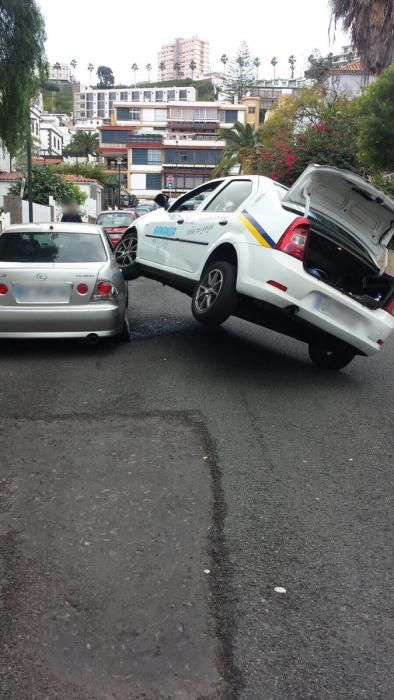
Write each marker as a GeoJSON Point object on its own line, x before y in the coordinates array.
{"type": "Point", "coordinates": [60, 281]}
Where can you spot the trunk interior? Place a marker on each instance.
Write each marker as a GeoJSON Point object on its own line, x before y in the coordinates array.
{"type": "Point", "coordinates": [330, 261]}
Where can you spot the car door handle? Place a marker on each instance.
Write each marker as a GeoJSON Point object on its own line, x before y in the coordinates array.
{"type": "Point", "coordinates": [223, 222]}
{"type": "Point", "coordinates": [180, 221]}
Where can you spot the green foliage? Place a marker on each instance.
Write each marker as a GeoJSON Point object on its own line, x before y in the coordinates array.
{"type": "Point", "coordinates": [57, 102]}
{"type": "Point", "coordinates": [47, 183]}
{"type": "Point", "coordinates": [240, 74]}
{"type": "Point", "coordinates": [83, 143]}
{"type": "Point", "coordinates": [376, 111]}
{"type": "Point", "coordinates": [243, 146]}
{"type": "Point", "coordinates": [22, 66]}
{"type": "Point", "coordinates": [105, 76]}
{"type": "Point", "coordinates": [385, 183]}
{"type": "Point", "coordinates": [86, 170]}
{"type": "Point", "coordinates": [318, 66]}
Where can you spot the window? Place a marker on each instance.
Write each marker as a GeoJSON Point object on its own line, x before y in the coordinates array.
{"type": "Point", "coordinates": [148, 95]}
{"type": "Point", "coordinates": [251, 110]}
{"type": "Point", "coordinates": [44, 247]}
{"type": "Point", "coordinates": [231, 116]}
{"type": "Point", "coordinates": [123, 96]}
{"type": "Point", "coordinates": [171, 95]}
{"type": "Point", "coordinates": [159, 96]}
{"type": "Point", "coordinates": [128, 115]}
{"type": "Point", "coordinates": [153, 181]}
{"type": "Point", "coordinates": [183, 94]}
{"type": "Point", "coordinates": [231, 197]}
{"type": "Point", "coordinates": [154, 156]}
{"type": "Point", "coordinates": [160, 115]}
{"type": "Point", "coordinates": [115, 136]}
{"type": "Point", "coordinates": [190, 201]}
{"type": "Point", "coordinates": [135, 96]}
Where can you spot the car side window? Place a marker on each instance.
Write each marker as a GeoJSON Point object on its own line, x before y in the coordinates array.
{"type": "Point", "coordinates": [192, 200]}
{"type": "Point", "coordinates": [230, 198]}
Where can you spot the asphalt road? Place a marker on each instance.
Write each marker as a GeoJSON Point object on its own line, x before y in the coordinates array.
{"type": "Point", "coordinates": [194, 516]}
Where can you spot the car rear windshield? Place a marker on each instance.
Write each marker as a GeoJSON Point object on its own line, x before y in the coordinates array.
{"type": "Point", "coordinates": [51, 246]}
{"type": "Point", "coordinates": [115, 220]}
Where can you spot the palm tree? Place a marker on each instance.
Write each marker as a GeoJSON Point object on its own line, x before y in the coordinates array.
{"type": "Point", "coordinates": [224, 60]}
{"type": "Point", "coordinates": [148, 68]}
{"type": "Point", "coordinates": [177, 67]}
{"type": "Point", "coordinates": [162, 67]}
{"type": "Point", "coordinates": [274, 63]}
{"type": "Point", "coordinates": [90, 69]}
{"type": "Point", "coordinates": [243, 146]}
{"type": "Point", "coordinates": [257, 64]}
{"type": "Point", "coordinates": [84, 143]}
{"type": "Point", "coordinates": [192, 66]}
{"type": "Point", "coordinates": [292, 61]}
{"type": "Point", "coordinates": [57, 67]}
{"type": "Point", "coordinates": [371, 25]}
{"type": "Point", "coordinates": [134, 68]}
{"type": "Point", "coordinates": [73, 64]}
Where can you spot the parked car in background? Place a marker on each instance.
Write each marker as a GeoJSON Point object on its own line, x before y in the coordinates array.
{"type": "Point", "coordinates": [116, 222]}
{"type": "Point", "coordinates": [311, 262]}
{"type": "Point", "coordinates": [145, 207]}
{"type": "Point", "coordinates": [60, 281]}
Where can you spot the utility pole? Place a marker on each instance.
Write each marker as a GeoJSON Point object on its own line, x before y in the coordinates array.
{"type": "Point", "coordinates": [29, 171]}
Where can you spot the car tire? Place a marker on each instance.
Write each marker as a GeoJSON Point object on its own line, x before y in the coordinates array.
{"type": "Point", "coordinates": [125, 335]}
{"type": "Point", "coordinates": [215, 297]}
{"type": "Point", "coordinates": [125, 255]}
{"type": "Point", "coordinates": [333, 358]}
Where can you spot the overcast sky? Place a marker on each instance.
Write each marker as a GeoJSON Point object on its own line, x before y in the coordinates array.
{"type": "Point", "coordinates": [118, 33]}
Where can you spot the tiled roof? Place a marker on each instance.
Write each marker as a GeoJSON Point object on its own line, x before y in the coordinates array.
{"type": "Point", "coordinates": [10, 177]}
{"type": "Point", "coordinates": [353, 67]}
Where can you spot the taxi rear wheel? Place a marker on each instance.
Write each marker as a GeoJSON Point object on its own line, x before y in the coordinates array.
{"type": "Point", "coordinates": [333, 357]}
{"type": "Point", "coordinates": [215, 297]}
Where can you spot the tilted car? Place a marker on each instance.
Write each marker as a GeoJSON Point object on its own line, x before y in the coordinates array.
{"type": "Point", "coordinates": [60, 281]}
{"type": "Point", "coordinates": [116, 222]}
{"type": "Point", "coordinates": [311, 262]}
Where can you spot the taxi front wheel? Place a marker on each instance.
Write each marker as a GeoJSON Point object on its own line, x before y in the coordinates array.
{"type": "Point", "coordinates": [215, 297]}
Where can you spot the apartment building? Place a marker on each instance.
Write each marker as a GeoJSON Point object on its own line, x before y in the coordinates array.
{"type": "Point", "coordinates": [96, 103]}
{"type": "Point", "coordinates": [51, 135]}
{"type": "Point", "coordinates": [182, 52]}
{"type": "Point", "coordinates": [146, 143]}
{"type": "Point", "coordinates": [269, 90]}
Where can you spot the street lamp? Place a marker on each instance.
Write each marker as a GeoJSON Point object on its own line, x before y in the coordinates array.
{"type": "Point", "coordinates": [119, 162]}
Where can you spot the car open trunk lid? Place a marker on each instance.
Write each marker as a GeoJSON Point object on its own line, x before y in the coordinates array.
{"type": "Point", "coordinates": [364, 211]}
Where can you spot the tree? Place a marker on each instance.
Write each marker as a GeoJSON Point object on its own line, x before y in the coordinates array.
{"type": "Point", "coordinates": [224, 60]}
{"type": "Point", "coordinates": [134, 68]}
{"type": "Point", "coordinates": [47, 183]}
{"type": "Point", "coordinates": [257, 64]}
{"type": "Point", "coordinates": [376, 114]}
{"type": "Point", "coordinates": [292, 62]}
{"type": "Point", "coordinates": [73, 64]}
{"type": "Point", "coordinates": [162, 67]}
{"type": "Point", "coordinates": [192, 66]}
{"type": "Point", "coordinates": [239, 79]}
{"type": "Point", "coordinates": [318, 66]}
{"type": "Point", "coordinates": [22, 67]}
{"type": "Point", "coordinates": [243, 146]}
{"type": "Point", "coordinates": [371, 25]}
{"type": "Point", "coordinates": [90, 69]}
{"type": "Point", "coordinates": [274, 63]}
{"type": "Point", "coordinates": [83, 143]}
{"type": "Point", "coordinates": [105, 76]}
{"type": "Point", "coordinates": [88, 170]}
{"type": "Point", "coordinates": [149, 68]}
{"type": "Point", "coordinates": [177, 67]}
{"type": "Point", "coordinates": [57, 67]}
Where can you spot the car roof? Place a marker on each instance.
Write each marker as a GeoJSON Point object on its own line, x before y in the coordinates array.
{"type": "Point", "coordinates": [58, 227]}
{"type": "Point", "coordinates": [117, 211]}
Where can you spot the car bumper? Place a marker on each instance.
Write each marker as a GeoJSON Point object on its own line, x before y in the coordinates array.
{"type": "Point", "coordinates": [314, 301]}
{"type": "Point", "coordinates": [61, 322]}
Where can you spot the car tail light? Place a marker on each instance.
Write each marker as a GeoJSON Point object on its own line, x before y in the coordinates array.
{"type": "Point", "coordinates": [389, 306]}
{"type": "Point", "coordinates": [294, 240]}
{"type": "Point", "coordinates": [104, 291]}
{"type": "Point", "coordinates": [3, 289]}
{"type": "Point", "coordinates": [82, 289]}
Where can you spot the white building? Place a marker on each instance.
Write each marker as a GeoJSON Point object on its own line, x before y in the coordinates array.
{"type": "Point", "coordinates": [349, 80]}
{"type": "Point", "coordinates": [61, 74]}
{"type": "Point", "coordinates": [95, 103]}
{"type": "Point", "coordinates": [183, 52]}
{"type": "Point", "coordinates": [5, 160]}
{"type": "Point", "coordinates": [51, 135]}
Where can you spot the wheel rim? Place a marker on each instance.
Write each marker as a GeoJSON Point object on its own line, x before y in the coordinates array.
{"type": "Point", "coordinates": [126, 252]}
{"type": "Point", "coordinates": [209, 290]}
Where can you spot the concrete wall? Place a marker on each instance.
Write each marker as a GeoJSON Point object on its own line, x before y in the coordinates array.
{"type": "Point", "coordinates": [18, 210]}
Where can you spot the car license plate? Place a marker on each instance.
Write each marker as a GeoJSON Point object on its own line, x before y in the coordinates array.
{"type": "Point", "coordinates": [42, 294]}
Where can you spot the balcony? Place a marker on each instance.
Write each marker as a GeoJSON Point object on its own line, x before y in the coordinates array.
{"type": "Point", "coordinates": [193, 125]}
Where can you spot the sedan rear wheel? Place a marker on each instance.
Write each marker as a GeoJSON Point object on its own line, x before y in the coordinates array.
{"type": "Point", "coordinates": [215, 296]}
{"type": "Point", "coordinates": [125, 255]}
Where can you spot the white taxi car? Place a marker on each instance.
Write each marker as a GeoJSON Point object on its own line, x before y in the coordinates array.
{"type": "Point", "coordinates": [311, 262]}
